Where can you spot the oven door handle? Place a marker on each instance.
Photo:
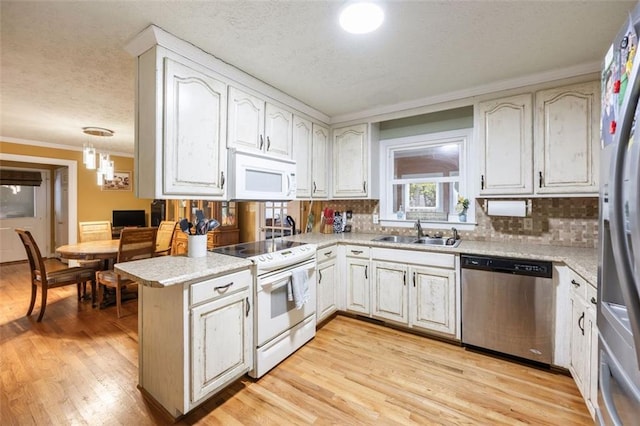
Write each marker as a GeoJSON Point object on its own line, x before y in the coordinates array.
{"type": "Point", "coordinates": [271, 284]}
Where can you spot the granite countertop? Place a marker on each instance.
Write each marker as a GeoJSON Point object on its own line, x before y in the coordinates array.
{"type": "Point", "coordinates": [583, 261]}
{"type": "Point", "coordinates": [166, 271]}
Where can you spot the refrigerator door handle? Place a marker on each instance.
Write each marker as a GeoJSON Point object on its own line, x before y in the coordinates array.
{"type": "Point", "coordinates": [605, 390]}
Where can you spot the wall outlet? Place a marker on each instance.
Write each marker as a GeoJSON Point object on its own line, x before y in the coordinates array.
{"type": "Point", "coordinates": [528, 224]}
{"type": "Point", "coordinates": [376, 219]}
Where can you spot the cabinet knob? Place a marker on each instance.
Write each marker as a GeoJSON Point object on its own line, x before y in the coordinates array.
{"type": "Point", "coordinates": [268, 143]}
{"type": "Point", "coordinates": [481, 181]}
{"type": "Point", "coordinates": [246, 314]}
{"type": "Point", "coordinates": [540, 179]}
{"type": "Point", "coordinates": [594, 301]}
{"type": "Point", "coordinates": [366, 268]}
{"type": "Point", "coordinates": [261, 141]}
{"type": "Point", "coordinates": [221, 180]}
{"type": "Point", "coordinates": [364, 186]}
{"type": "Point", "coordinates": [404, 278]}
{"type": "Point", "coordinates": [314, 187]}
{"type": "Point", "coordinates": [319, 277]}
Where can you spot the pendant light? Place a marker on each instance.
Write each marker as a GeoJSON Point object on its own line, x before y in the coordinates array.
{"type": "Point", "coordinates": [105, 169]}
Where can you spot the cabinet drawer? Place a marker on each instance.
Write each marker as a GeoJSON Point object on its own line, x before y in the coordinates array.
{"type": "Point", "coordinates": [578, 285]}
{"type": "Point", "coordinates": [219, 286]}
{"type": "Point", "coordinates": [358, 251]}
{"type": "Point", "coordinates": [327, 253]}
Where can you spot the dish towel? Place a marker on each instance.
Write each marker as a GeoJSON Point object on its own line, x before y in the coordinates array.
{"type": "Point", "coordinates": [299, 288]}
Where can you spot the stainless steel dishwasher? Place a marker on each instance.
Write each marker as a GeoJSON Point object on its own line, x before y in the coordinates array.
{"type": "Point", "coordinates": [507, 306]}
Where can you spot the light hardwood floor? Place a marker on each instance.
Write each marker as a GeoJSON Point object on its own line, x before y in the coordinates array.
{"type": "Point", "coordinates": [79, 366]}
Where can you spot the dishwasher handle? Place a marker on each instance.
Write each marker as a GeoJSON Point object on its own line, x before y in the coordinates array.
{"type": "Point", "coordinates": [534, 268]}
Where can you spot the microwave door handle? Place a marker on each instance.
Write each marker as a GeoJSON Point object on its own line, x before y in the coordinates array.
{"type": "Point", "coordinates": [288, 183]}
{"type": "Point", "coordinates": [621, 251]}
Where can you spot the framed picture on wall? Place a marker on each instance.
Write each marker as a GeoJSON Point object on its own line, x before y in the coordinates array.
{"type": "Point", "coordinates": [121, 182]}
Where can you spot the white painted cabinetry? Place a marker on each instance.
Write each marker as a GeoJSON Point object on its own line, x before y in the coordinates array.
{"type": "Point", "coordinates": [357, 279]}
{"type": "Point", "coordinates": [506, 145]}
{"type": "Point", "coordinates": [390, 295]}
{"type": "Point", "coordinates": [181, 128]}
{"type": "Point", "coordinates": [327, 282]}
{"type": "Point", "coordinates": [416, 289]}
{"type": "Point", "coordinates": [567, 136]}
{"type": "Point", "coordinates": [186, 355]}
{"type": "Point", "coordinates": [584, 339]}
{"type": "Point", "coordinates": [354, 158]}
{"type": "Point", "coordinates": [311, 152]}
{"type": "Point", "coordinates": [552, 150]}
{"type": "Point", "coordinates": [258, 125]}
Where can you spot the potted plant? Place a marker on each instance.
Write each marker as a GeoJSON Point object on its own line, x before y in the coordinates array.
{"type": "Point", "coordinates": [461, 208]}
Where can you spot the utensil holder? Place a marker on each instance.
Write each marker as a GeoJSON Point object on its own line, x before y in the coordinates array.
{"type": "Point", "coordinates": [197, 245]}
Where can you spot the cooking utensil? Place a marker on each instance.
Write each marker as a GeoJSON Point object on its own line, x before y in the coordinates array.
{"type": "Point", "coordinates": [201, 227]}
{"type": "Point", "coordinates": [184, 226]}
{"type": "Point", "coordinates": [199, 216]}
{"type": "Point", "coordinates": [212, 224]}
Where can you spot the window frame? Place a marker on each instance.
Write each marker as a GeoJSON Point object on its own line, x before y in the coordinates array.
{"type": "Point", "coordinates": [387, 148]}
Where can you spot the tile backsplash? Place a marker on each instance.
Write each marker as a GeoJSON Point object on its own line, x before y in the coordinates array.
{"type": "Point", "coordinates": [554, 221]}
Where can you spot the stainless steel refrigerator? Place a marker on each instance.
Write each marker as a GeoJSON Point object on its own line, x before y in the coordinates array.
{"type": "Point", "coordinates": [619, 241]}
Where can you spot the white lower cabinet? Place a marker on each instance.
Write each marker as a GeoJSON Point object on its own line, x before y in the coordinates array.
{"type": "Point", "coordinates": [584, 339]}
{"type": "Point", "coordinates": [416, 289]}
{"type": "Point", "coordinates": [194, 339]}
{"type": "Point", "coordinates": [390, 296]}
{"type": "Point", "coordinates": [327, 282]}
{"type": "Point", "coordinates": [433, 299]}
{"type": "Point", "coordinates": [357, 279]}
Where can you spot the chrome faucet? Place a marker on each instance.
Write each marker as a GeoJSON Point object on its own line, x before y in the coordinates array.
{"type": "Point", "coordinates": [419, 228]}
{"type": "Point", "coordinates": [455, 234]}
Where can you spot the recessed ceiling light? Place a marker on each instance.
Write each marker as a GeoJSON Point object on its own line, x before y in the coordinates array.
{"type": "Point", "coordinates": [361, 17]}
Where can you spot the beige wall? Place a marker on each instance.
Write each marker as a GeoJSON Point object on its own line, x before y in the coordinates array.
{"type": "Point", "coordinates": [93, 204]}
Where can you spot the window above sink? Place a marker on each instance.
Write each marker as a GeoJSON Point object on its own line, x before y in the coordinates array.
{"type": "Point", "coordinates": [422, 177]}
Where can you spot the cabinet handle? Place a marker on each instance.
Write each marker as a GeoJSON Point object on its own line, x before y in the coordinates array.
{"type": "Point", "coordinates": [540, 179]}
{"type": "Point", "coordinates": [261, 141]}
{"type": "Point", "coordinates": [246, 314]}
{"type": "Point", "coordinates": [414, 279]}
{"type": "Point", "coordinates": [481, 181]}
{"type": "Point", "coordinates": [314, 187]}
{"type": "Point", "coordinates": [364, 186]}
{"type": "Point", "coordinates": [575, 283]}
{"type": "Point", "coordinates": [594, 301]}
{"type": "Point", "coordinates": [404, 278]}
{"type": "Point", "coordinates": [319, 276]}
{"type": "Point", "coordinates": [328, 253]}
{"type": "Point", "coordinates": [223, 287]}
{"type": "Point", "coordinates": [581, 319]}
{"type": "Point", "coordinates": [268, 143]}
{"type": "Point", "coordinates": [356, 251]}
{"type": "Point", "coordinates": [222, 180]}
{"type": "Point", "coordinates": [366, 268]}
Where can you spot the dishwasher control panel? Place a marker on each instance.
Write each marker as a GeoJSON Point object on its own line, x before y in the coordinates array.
{"type": "Point", "coordinates": [538, 268]}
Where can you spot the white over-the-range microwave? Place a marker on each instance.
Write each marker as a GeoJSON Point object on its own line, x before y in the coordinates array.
{"type": "Point", "coordinates": [259, 177]}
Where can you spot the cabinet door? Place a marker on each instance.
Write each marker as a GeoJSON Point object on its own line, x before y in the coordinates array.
{"type": "Point", "coordinates": [506, 145]}
{"type": "Point", "coordinates": [327, 289]}
{"type": "Point", "coordinates": [350, 161]}
{"type": "Point", "coordinates": [194, 132]}
{"type": "Point", "coordinates": [278, 129]}
{"type": "Point", "coordinates": [433, 299]}
{"type": "Point", "coordinates": [302, 140]}
{"type": "Point", "coordinates": [567, 139]}
{"type": "Point", "coordinates": [320, 167]}
{"type": "Point", "coordinates": [358, 285]}
{"type": "Point", "coordinates": [579, 351]}
{"type": "Point", "coordinates": [390, 291]}
{"type": "Point", "coordinates": [246, 121]}
{"type": "Point", "coordinates": [221, 343]}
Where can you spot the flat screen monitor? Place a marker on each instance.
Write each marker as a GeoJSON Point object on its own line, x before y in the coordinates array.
{"type": "Point", "coordinates": [128, 218]}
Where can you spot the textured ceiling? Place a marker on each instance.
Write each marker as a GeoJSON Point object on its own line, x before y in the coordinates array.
{"type": "Point", "coordinates": [63, 65]}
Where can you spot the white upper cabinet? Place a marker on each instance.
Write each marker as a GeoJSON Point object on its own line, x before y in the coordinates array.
{"type": "Point", "coordinates": [256, 125]}
{"type": "Point", "coordinates": [302, 140]}
{"type": "Point", "coordinates": [181, 128]}
{"type": "Point", "coordinates": [320, 162]}
{"type": "Point", "coordinates": [550, 150]}
{"type": "Point", "coordinates": [567, 135]}
{"type": "Point", "coordinates": [353, 156]}
{"type": "Point", "coordinates": [506, 145]}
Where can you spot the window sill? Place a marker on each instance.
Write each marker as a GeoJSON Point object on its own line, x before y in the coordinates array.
{"type": "Point", "coordinates": [460, 226]}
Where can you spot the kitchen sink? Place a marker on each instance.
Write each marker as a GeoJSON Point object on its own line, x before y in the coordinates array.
{"type": "Point", "coordinates": [449, 242]}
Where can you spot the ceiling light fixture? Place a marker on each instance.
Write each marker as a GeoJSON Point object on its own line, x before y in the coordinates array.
{"type": "Point", "coordinates": [361, 17]}
{"type": "Point", "coordinates": [106, 165]}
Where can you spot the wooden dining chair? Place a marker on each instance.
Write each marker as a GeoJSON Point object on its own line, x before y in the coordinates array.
{"type": "Point", "coordinates": [94, 231]}
{"type": "Point", "coordinates": [135, 243]}
{"type": "Point", "coordinates": [49, 273]}
{"type": "Point", "coordinates": [164, 238]}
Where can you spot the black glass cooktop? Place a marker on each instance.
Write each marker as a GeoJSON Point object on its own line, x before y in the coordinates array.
{"type": "Point", "coordinates": [256, 248]}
